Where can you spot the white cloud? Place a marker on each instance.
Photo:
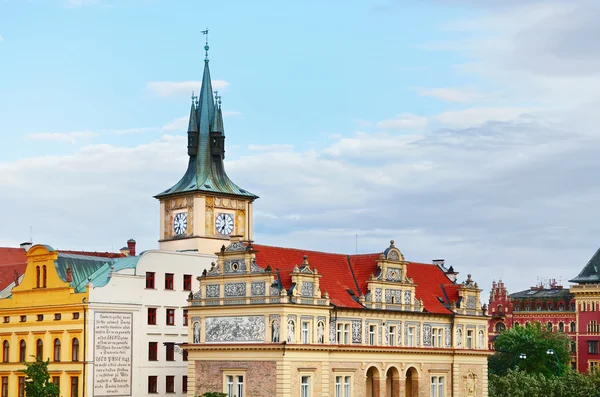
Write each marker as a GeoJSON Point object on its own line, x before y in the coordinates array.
{"type": "Point", "coordinates": [480, 115]}
{"type": "Point", "coordinates": [165, 89]}
{"type": "Point", "coordinates": [451, 94]}
{"type": "Point", "coordinates": [403, 121]}
{"type": "Point", "coordinates": [231, 113]}
{"type": "Point", "coordinates": [70, 137]}
{"type": "Point", "coordinates": [270, 148]}
{"type": "Point", "coordinates": [178, 124]}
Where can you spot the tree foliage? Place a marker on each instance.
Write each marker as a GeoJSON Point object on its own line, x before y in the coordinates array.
{"type": "Point", "coordinates": [517, 383]}
{"type": "Point", "coordinates": [37, 380]}
{"type": "Point", "coordinates": [213, 394]}
{"type": "Point", "coordinates": [527, 348]}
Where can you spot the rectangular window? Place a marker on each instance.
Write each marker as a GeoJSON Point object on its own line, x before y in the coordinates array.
{"type": "Point", "coordinates": [573, 347]}
{"type": "Point", "coordinates": [168, 280]}
{"type": "Point", "coordinates": [152, 384]}
{"type": "Point", "coordinates": [23, 319]}
{"type": "Point", "coordinates": [234, 385]}
{"type": "Point", "coordinates": [437, 386]}
{"type": "Point", "coordinates": [185, 317]}
{"type": "Point", "coordinates": [170, 384]}
{"type": "Point", "coordinates": [40, 317]}
{"type": "Point", "coordinates": [187, 282]}
{"type": "Point", "coordinates": [152, 351]}
{"type": "Point", "coordinates": [343, 386]}
{"type": "Point", "coordinates": [7, 319]}
{"type": "Point", "coordinates": [76, 316]}
{"type": "Point", "coordinates": [411, 336]}
{"type": "Point", "coordinates": [57, 316]}
{"type": "Point", "coordinates": [372, 334]}
{"type": "Point", "coordinates": [184, 355]}
{"type": "Point", "coordinates": [151, 316]}
{"type": "Point", "coordinates": [5, 386]}
{"type": "Point", "coordinates": [305, 334]}
{"type": "Point", "coordinates": [343, 333]}
{"type": "Point", "coordinates": [392, 335]}
{"type": "Point", "coordinates": [170, 316]}
{"type": "Point", "coordinates": [74, 386]}
{"type": "Point", "coordinates": [170, 351]}
{"type": "Point", "coordinates": [55, 380]}
{"type": "Point", "coordinates": [593, 366]}
{"type": "Point", "coordinates": [593, 347]}
{"type": "Point", "coordinates": [150, 281]}
{"type": "Point", "coordinates": [21, 389]}
{"type": "Point", "coordinates": [437, 337]}
{"type": "Point", "coordinates": [184, 384]}
{"type": "Point", "coordinates": [469, 339]}
{"type": "Point", "coordinates": [305, 386]}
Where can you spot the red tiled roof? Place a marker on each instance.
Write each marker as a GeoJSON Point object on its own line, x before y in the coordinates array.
{"type": "Point", "coordinates": [341, 273]}
{"type": "Point", "coordinates": [90, 253]}
{"type": "Point", "coordinates": [11, 259]}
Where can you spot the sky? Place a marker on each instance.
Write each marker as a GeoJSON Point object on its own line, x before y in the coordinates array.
{"type": "Point", "coordinates": [461, 129]}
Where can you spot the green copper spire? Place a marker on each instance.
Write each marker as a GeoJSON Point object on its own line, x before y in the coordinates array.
{"type": "Point", "coordinates": [206, 146]}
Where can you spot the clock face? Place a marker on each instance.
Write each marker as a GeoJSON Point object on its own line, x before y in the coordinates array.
{"type": "Point", "coordinates": [180, 223]}
{"type": "Point", "coordinates": [224, 224]}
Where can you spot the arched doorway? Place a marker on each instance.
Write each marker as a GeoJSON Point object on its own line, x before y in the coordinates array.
{"type": "Point", "coordinates": [392, 382]}
{"type": "Point", "coordinates": [412, 382]}
{"type": "Point", "coordinates": [372, 382]}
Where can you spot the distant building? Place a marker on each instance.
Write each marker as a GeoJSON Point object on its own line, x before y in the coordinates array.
{"type": "Point", "coordinates": [574, 311]}
{"type": "Point", "coordinates": [109, 323]}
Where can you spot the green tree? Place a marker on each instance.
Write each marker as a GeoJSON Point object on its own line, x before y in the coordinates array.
{"type": "Point", "coordinates": [516, 383]}
{"type": "Point", "coordinates": [213, 394]}
{"type": "Point", "coordinates": [37, 380]}
{"type": "Point", "coordinates": [532, 349]}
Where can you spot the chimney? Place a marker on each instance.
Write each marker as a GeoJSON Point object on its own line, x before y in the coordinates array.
{"type": "Point", "coordinates": [26, 245]}
{"type": "Point", "coordinates": [438, 262]}
{"type": "Point", "coordinates": [131, 246]}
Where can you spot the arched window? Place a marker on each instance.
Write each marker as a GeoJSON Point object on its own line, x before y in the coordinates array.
{"type": "Point", "coordinates": [75, 350]}
{"type": "Point", "coordinates": [56, 349]}
{"type": "Point", "coordinates": [500, 327]}
{"type": "Point", "coordinates": [561, 307]}
{"type": "Point", "coordinates": [499, 308]}
{"type": "Point", "coordinates": [44, 276]}
{"type": "Point", "coordinates": [573, 327]}
{"type": "Point", "coordinates": [516, 308]}
{"type": "Point", "coordinates": [550, 307]}
{"type": "Point", "coordinates": [5, 351]}
{"type": "Point", "coordinates": [37, 277]}
{"type": "Point", "coordinates": [22, 351]}
{"type": "Point", "coordinates": [561, 326]}
{"type": "Point", "coordinates": [539, 307]}
{"type": "Point", "coordinates": [39, 349]}
{"type": "Point", "coordinates": [549, 326]}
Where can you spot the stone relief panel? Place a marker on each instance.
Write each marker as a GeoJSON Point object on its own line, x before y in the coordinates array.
{"type": "Point", "coordinates": [236, 247]}
{"type": "Point", "coordinates": [393, 274]}
{"type": "Point", "coordinates": [235, 289]}
{"type": "Point", "coordinates": [393, 296]}
{"type": "Point", "coordinates": [471, 302]}
{"type": "Point", "coordinates": [407, 297]}
{"type": "Point", "coordinates": [332, 326]}
{"type": "Point", "coordinates": [274, 291]}
{"type": "Point", "coordinates": [307, 288]}
{"type": "Point", "coordinates": [377, 294]}
{"type": "Point", "coordinates": [448, 336]}
{"type": "Point", "coordinates": [470, 384]}
{"type": "Point", "coordinates": [254, 268]}
{"type": "Point", "coordinates": [393, 255]}
{"type": "Point", "coordinates": [234, 266]}
{"type": "Point", "coordinates": [213, 290]}
{"type": "Point", "coordinates": [426, 335]}
{"type": "Point", "coordinates": [356, 331]}
{"type": "Point", "coordinates": [235, 329]}
{"type": "Point", "coordinates": [258, 288]}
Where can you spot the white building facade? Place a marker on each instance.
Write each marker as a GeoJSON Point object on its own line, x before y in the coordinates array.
{"type": "Point", "coordinates": [135, 320]}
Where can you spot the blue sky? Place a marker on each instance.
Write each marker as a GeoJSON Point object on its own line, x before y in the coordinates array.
{"type": "Point", "coordinates": [461, 129]}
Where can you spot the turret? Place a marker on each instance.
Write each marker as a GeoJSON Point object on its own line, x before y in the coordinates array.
{"type": "Point", "coordinates": [193, 133]}
{"type": "Point", "coordinates": [217, 135]}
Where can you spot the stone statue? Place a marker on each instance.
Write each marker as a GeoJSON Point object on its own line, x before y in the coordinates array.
{"type": "Point", "coordinates": [290, 338]}
{"type": "Point", "coordinates": [196, 332]}
{"type": "Point", "coordinates": [320, 332]}
{"type": "Point", "coordinates": [275, 331]}
{"type": "Point", "coordinates": [458, 337]}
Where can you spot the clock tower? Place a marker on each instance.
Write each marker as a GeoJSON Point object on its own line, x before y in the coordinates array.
{"type": "Point", "coordinates": [202, 210]}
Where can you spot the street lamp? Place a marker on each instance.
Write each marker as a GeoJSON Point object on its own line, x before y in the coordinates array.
{"type": "Point", "coordinates": [551, 352]}
{"type": "Point", "coordinates": [523, 356]}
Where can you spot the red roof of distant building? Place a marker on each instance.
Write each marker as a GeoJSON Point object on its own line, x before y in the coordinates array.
{"type": "Point", "coordinates": [343, 273]}
{"type": "Point", "coordinates": [11, 260]}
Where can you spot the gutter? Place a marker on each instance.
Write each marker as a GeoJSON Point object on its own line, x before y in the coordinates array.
{"type": "Point", "coordinates": [84, 346]}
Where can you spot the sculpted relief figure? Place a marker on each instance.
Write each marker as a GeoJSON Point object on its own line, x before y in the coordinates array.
{"type": "Point", "coordinates": [320, 332]}
{"type": "Point", "coordinates": [458, 337]}
{"type": "Point", "coordinates": [196, 332]}
{"type": "Point", "coordinates": [471, 384]}
{"type": "Point", "coordinates": [290, 338]}
{"type": "Point", "coordinates": [275, 331]}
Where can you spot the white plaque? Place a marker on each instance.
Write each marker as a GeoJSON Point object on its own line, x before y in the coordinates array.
{"type": "Point", "coordinates": [112, 354]}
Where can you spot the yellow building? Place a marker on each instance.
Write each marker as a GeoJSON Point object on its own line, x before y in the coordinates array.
{"type": "Point", "coordinates": [45, 317]}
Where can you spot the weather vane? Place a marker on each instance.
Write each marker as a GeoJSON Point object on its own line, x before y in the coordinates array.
{"type": "Point", "coordinates": [205, 32]}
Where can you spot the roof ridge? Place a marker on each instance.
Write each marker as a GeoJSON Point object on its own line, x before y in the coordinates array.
{"type": "Point", "coordinates": [315, 251]}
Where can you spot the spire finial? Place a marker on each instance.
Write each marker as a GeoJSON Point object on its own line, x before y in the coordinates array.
{"type": "Point", "coordinates": [206, 47]}
{"type": "Point", "coordinates": [194, 97]}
